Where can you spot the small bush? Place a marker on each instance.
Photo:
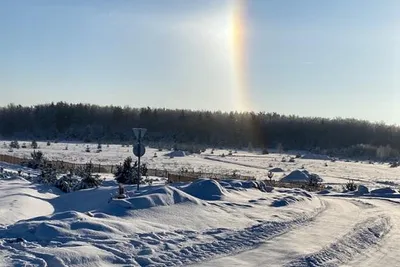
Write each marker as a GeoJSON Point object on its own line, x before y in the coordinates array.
{"type": "Point", "coordinates": [230, 153]}
{"type": "Point", "coordinates": [291, 160]}
{"type": "Point", "coordinates": [283, 159]}
{"type": "Point", "coordinates": [314, 180]}
{"type": "Point", "coordinates": [14, 144]}
{"type": "Point", "coordinates": [394, 164]}
{"type": "Point", "coordinates": [223, 155]}
{"type": "Point", "coordinates": [87, 149]}
{"type": "Point", "coordinates": [351, 186]}
{"type": "Point", "coordinates": [298, 156]}
{"type": "Point", "coordinates": [264, 151]}
{"type": "Point", "coordinates": [48, 143]}
{"type": "Point", "coordinates": [23, 145]}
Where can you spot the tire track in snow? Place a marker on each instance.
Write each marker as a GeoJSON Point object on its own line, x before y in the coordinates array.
{"type": "Point", "coordinates": [227, 242]}
{"type": "Point", "coordinates": [365, 234]}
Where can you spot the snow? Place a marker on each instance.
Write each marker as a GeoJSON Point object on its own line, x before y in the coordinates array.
{"type": "Point", "coordinates": [296, 176]}
{"type": "Point", "coordinates": [362, 189]}
{"type": "Point", "coordinates": [384, 191]}
{"type": "Point", "coordinates": [204, 223]}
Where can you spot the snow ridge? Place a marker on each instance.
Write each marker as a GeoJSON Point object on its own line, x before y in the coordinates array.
{"type": "Point", "coordinates": [364, 235]}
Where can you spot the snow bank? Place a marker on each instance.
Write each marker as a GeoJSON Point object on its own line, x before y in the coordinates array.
{"type": "Point", "coordinates": [384, 191]}
{"type": "Point", "coordinates": [362, 189]}
{"type": "Point", "coordinates": [206, 189]}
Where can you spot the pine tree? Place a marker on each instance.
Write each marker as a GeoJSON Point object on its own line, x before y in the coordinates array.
{"type": "Point", "coordinates": [127, 173]}
{"type": "Point", "coordinates": [89, 180]}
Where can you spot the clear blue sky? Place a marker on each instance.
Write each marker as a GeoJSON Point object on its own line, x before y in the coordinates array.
{"type": "Point", "coordinates": [312, 58]}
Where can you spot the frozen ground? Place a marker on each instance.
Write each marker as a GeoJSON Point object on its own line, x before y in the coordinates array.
{"type": "Point", "coordinates": [204, 223]}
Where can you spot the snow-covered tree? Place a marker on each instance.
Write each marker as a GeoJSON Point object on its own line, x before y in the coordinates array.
{"type": "Point", "coordinates": [127, 173]}
{"type": "Point", "coordinates": [48, 174]}
{"type": "Point", "coordinates": [89, 179]}
{"type": "Point", "coordinates": [37, 160]}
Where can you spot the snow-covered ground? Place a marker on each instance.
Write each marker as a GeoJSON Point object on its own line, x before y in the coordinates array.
{"type": "Point", "coordinates": [204, 223]}
{"type": "Point", "coordinates": [243, 163]}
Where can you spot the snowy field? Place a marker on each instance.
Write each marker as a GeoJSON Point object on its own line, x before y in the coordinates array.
{"type": "Point", "coordinates": [244, 163]}
{"type": "Point", "coordinates": [204, 223]}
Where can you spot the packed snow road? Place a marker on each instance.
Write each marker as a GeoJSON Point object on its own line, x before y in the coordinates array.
{"type": "Point", "coordinates": [350, 232]}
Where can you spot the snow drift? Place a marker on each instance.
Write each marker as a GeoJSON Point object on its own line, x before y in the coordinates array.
{"type": "Point", "coordinates": [162, 196]}
{"type": "Point", "coordinates": [206, 189]}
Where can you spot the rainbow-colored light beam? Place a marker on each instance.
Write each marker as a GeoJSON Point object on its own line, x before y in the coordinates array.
{"type": "Point", "coordinates": [238, 30]}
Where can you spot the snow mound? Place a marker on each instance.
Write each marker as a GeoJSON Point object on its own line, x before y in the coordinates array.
{"type": "Point", "coordinates": [384, 191]}
{"type": "Point", "coordinates": [163, 196]}
{"type": "Point", "coordinates": [324, 192]}
{"type": "Point", "coordinates": [290, 196]}
{"type": "Point", "coordinates": [362, 189]}
{"type": "Point", "coordinates": [296, 176]}
{"type": "Point", "coordinates": [316, 156]}
{"type": "Point", "coordinates": [177, 153]}
{"type": "Point", "coordinates": [276, 170]}
{"type": "Point", "coordinates": [206, 189]}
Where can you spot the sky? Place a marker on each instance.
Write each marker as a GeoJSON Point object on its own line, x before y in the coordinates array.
{"type": "Point", "coordinates": [309, 58]}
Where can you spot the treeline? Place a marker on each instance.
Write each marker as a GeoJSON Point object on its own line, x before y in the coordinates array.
{"type": "Point", "coordinates": [92, 123]}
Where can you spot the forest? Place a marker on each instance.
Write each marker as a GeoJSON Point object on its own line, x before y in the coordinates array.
{"type": "Point", "coordinates": [92, 123]}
